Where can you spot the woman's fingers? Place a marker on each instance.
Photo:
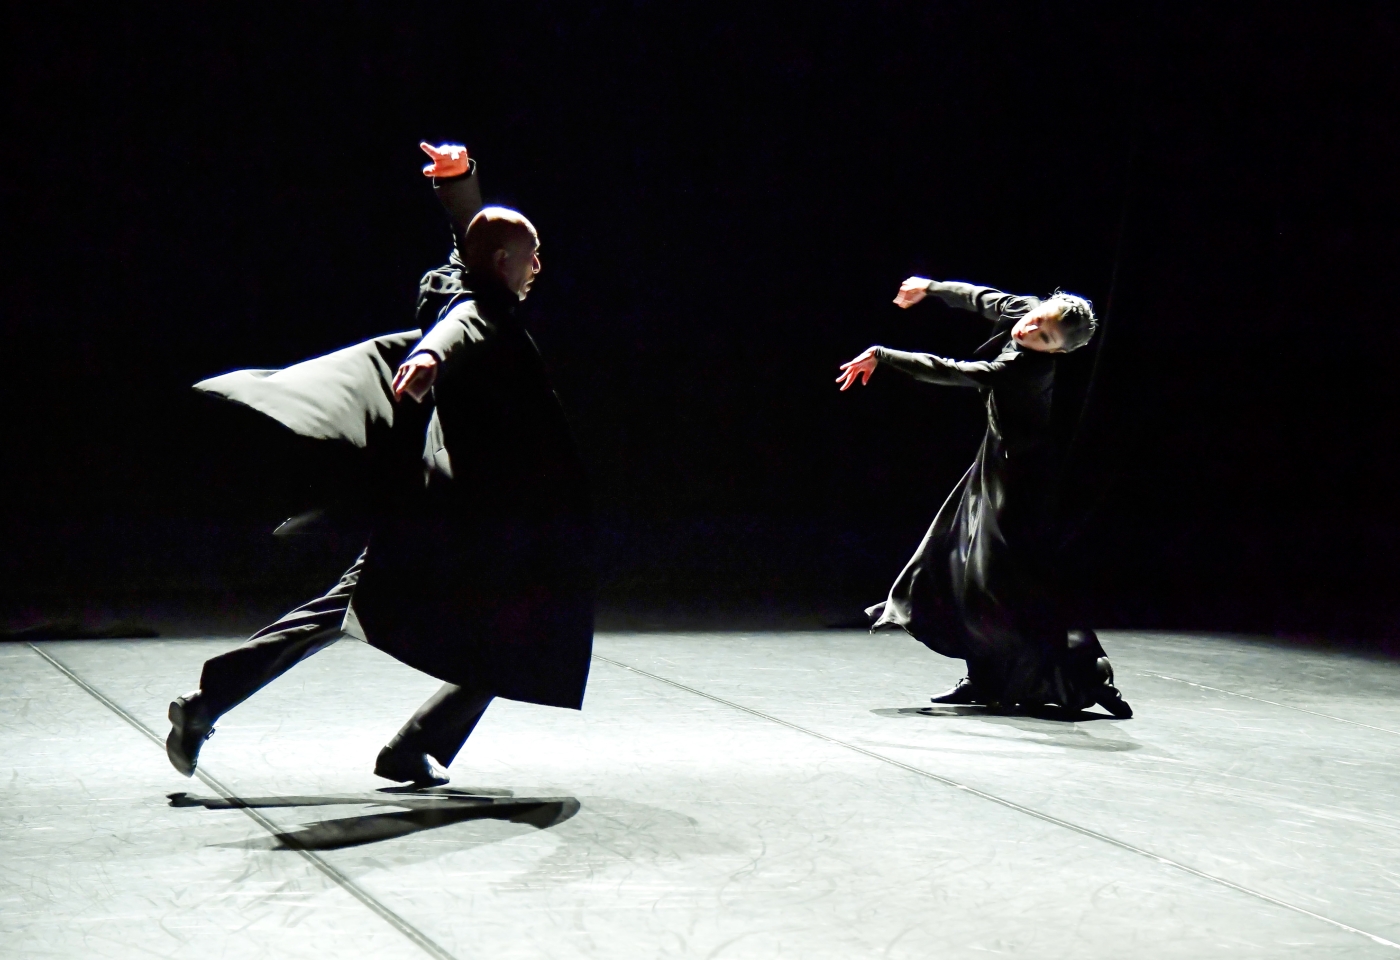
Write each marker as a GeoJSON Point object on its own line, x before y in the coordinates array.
{"type": "Point", "coordinates": [848, 378]}
{"type": "Point", "coordinates": [858, 369]}
{"type": "Point", "coordinates": [911, 291]}
{"type": "Point", "coordinates": [906, 300]}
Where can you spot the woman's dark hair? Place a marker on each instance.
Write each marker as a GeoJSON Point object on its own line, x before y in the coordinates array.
{"type": "Point", "coordinates": [1077, 320]}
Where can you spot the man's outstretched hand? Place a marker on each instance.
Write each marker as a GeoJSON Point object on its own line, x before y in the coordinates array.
{"type": "Point", "coordinates": [911, 291]}
{"type": "Point", "coordinates": [858, 369]}
{"type": "Point", "coordinates": [449, 160]}
{"type": "Point", "coordinates": [415, 377]}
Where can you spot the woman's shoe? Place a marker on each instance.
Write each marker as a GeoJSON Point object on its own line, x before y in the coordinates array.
{"type": "Point", "coordinates": [964, 692]}
{"type": "Point", "coordinates": [1107, 695]}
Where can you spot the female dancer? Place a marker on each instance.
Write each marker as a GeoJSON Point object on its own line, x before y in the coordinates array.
{"type": "Point", "coordinates": [981, 587]}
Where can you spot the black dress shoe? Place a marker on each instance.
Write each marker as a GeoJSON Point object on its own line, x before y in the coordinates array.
{"type": "Point", "coordinates": [189, 728]}
{"type": "Point", "coordinates": [409, 766]}
{"type": "Point", "coordinates": [1107, 695]}
{"type": "Point", "coordinates": [963, 692]}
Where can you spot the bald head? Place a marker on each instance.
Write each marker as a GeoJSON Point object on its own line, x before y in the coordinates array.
{"type": "Point", "coordinates": [501, 242]}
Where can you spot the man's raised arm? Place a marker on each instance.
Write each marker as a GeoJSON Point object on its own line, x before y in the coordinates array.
{"type": "Point", "coordinates": [454, 184]}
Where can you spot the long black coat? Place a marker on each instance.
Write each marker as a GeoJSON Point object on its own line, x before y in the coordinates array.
{"type": "Point", "coordinates": [981, 586]}
{"type": "Point", "coordinates": [478, 567]}
{"type": "Point", "coordinates": [484, 571]}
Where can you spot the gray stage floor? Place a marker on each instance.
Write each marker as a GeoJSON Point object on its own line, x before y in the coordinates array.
{"type": "Point", "coordinates": [720, 796]}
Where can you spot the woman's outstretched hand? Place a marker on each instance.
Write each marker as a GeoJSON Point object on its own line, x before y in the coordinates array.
{"type": "Point", "coordinates": [858, 369]}
{"type": "Point", "coordinates": [449, 160]}
{"type": "Point", "coordinates": [911, 291]}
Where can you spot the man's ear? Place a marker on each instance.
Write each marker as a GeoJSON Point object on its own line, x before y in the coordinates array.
{"type": "Point", "coordinates": [498, 258]}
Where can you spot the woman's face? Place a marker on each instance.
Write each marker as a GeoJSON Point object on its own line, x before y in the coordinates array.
{"type": "Point", "coordinates": [1040, 330]}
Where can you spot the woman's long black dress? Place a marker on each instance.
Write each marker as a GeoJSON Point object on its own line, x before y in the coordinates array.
{"type": "Point", "coordinates": [981, 586]}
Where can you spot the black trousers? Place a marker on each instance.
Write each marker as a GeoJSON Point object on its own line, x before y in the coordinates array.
{"type": "Point", "coordinates": [439, 727]}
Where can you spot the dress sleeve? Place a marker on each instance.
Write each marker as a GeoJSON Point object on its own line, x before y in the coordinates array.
{"type": "Point", "coordinates": [991, 303]}
{"type": "Point", "coordinates": [461, 198]}
{"type": "Point", "coordinates": [454, 335]}
{"type": "Point", "coordinates": [983, 374]}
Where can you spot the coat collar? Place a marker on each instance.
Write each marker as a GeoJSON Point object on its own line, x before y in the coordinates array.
{"type": "Point", "coordinates": [995, 344]}
{"type": "Point", "coordinates": [487, 290]}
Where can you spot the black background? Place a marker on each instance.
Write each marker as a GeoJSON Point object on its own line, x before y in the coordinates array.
{"type": "Point", "coordinates": [728, 198]}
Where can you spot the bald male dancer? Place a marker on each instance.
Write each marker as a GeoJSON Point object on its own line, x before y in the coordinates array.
{"type": "Point", "coordinates": [478, 576]}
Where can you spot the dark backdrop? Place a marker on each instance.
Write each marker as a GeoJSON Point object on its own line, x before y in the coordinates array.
{"type": "Point", "coordinates": [729, 196]}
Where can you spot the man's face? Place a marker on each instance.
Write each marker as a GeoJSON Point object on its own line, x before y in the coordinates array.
{"type": "Point", "coordinates": [1040, 329]}
{"type": "Point", "coordinates": [519, 263]}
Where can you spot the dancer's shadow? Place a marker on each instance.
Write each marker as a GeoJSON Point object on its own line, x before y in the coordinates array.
{"type": "Point", "coordinates": [1050, 726]}
{"type": "Point", "coordinates": [1055, 714]}
{"type": "Point", "coordinates": [418, 810]}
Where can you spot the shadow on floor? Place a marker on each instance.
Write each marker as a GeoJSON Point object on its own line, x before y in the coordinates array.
{"type": "Point", "coordinates": [419, 810]}
{"type": "Point", "coordinates": [1048, 726]}
{"type": "Point", "coordinates": [1052, 714]}
{"type": "Point", "coordinates": [69, 629]}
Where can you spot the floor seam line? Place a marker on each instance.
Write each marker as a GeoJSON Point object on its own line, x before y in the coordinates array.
{"type": "Point", "coordinates": [1245, 696]}
{"type": "Point", "coordinates": [1009, 804]}
{"type": "Point", "coordinates": [408, 930]}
